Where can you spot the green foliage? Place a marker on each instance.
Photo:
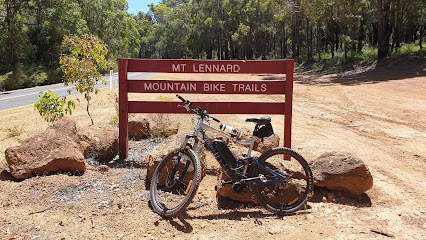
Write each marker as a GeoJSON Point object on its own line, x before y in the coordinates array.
{"type": "Point", "coordinates": [406, 48]}
{"type": "Point", "coordinates": [16, 79]}
{"type": "Point", "coordinates": [52, 108]}
{"type": "Point", "coordinates": [32, 31]}
{"type": "Point", "coordinates": [38, 78]}
{"type": "Point", "coordinates": [81, 64]}
{"type": "Point", "coordinates": [3, 81]}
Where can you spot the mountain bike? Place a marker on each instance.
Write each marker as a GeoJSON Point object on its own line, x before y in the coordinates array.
{"type": "Point", "coordinates": [280, 178]}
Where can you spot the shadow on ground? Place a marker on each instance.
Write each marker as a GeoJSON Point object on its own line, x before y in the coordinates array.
{"type": "Point", "coordinates": [325, 195]}
{"type": "Point", "coordinates": [391, 69]}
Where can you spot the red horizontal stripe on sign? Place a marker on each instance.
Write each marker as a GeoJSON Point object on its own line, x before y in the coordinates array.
{"type": "Point", "coordinates": [211, 107]}
{"type": "Point", "coordinates": [207, 66]}
{"type": "Point", "coordinates": [206, 87]}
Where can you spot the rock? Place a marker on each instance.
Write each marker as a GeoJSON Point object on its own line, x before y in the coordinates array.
{"type": "Point", "coordinates": [66, 126]}
{"type": "Point", "coordinates": [167, 146]}
{"type": "Point", "coordinates": [240, 151]}
{"type": "Point", "coordinates": [330, 197]}
{"type": "Point", "coordinates": [51, 151]}
{"type": "Point", "coordinates": [99, 142]}
{"type": "Point", "coordinates": [216, 136]}
{"type": "Point", "coordinates": [164, 128]}
{"type": "Point", "coordinates": [138, 128]}
{"type": "Point", "coordinates": [342, 171]}
{"type": "Point", "coordinates": [287, 193]}
{"type": "Point", "coordinates": [246, 196]}
{"type": "Point", "coordinates": [268, 143]}
{"type": "Point", "coordinates": [103, 168]}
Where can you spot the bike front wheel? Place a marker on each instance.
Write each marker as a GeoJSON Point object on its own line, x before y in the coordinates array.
{"type": "Point", "coordinates": [175, 182]}
{"type": "Point", "coordinates": [278, 196]}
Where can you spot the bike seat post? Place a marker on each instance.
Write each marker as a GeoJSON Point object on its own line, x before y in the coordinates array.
{"type": "Point", "coordinates": [250, 147]}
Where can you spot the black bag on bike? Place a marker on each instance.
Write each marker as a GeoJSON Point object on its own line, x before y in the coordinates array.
{"type": "Point", "coordinates": [262, 131]}
{"type": "Point", "coordinates": [225, 153]}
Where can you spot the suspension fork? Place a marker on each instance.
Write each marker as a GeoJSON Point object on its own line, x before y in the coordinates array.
{"type": "Point", "coordinates": [179, 157]}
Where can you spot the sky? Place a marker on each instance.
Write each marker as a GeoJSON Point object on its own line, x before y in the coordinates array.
{"type": "Point", "coordinates": [136, 6]}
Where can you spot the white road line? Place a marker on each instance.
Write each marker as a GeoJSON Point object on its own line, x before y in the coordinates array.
{"type": "Point", "coordinates": [44, 88]}
{"type": "Point", "coordinates": [29, 94]}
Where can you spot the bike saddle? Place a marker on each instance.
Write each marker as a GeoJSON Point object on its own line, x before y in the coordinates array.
{"type": "Point", "coordinates": [262, 120]}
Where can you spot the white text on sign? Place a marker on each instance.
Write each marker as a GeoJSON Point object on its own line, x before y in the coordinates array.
{"type": "Point", "coordinates": [207, 68]}
{"type": "Point", "coordinates": [206, 87]}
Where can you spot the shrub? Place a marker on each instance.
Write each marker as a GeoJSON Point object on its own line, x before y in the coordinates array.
{"type": "Point", "coordinates": [16, 79]}
{"type": "Point", "coordinates": [39, 78]}
{"type": "Point", "coordinates": [3, 81]}
{"type": "Point", "coordinates": [52, 108]}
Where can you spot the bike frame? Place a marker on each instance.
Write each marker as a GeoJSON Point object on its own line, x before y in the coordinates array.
{"type": "Point", "coordinates": [232, 173]}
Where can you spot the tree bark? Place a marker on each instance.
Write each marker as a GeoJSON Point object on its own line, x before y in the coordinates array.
{"type": "Point", "coordinates": [383, 28]}
{"type": "Point", "coordinates": [319, 39]}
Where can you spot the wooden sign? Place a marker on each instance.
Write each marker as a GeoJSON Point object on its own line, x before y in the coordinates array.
{"type": "Point", "coordinates": [204, 87]}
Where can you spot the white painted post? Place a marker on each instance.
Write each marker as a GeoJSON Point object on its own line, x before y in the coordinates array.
{"type": "Point", "coordinates": [110, 80]}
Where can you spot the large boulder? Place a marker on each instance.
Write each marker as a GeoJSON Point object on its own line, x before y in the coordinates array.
{"type": "Point", "coordinates": [138, 128]}
{"type": "Point", "coordinates": [65, 126]}
{"type": "Point", "coordinates": [51, 151]}
{"type": "Point", "coordinates": [286, 192]}
{"type": "Point", "coordinates": [166, 147]}
{"type": "Point", "coordinates": [247, 195]}
{"type": "Point", "coordinates": [263, 145]}
{"type": "Point", "coordinates": [99, 142]}
{"type": "Point", "coordinates": [342, 171]}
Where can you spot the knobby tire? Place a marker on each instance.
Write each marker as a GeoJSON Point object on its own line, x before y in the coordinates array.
{"type": "Point", "coordinates": [161, 192]}
{"type": "Point", "coordinates": [289, 196]}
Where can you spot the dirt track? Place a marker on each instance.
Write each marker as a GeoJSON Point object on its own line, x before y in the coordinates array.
{"type": "Point", "coordinates": [379, 116]}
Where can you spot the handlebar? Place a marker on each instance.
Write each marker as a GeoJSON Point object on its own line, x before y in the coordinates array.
{"type": "Point", "coordinates": [181, 98]}
{"type": "Point", "coordinates": [199, 111]}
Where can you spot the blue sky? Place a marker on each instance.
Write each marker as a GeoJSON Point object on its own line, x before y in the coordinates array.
{"type": "Point", "coordinates": [136, 6]}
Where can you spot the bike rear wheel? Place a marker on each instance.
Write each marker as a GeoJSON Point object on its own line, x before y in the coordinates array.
{"type": "Point", "coordinates": [175, 182]}
{"type": "Point", "coordinates": [287, 196]}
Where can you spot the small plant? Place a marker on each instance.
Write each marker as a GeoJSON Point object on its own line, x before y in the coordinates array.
{"type": "Point", "coordinates": [51, 107]}
{"type": "Point", "coordinates": [13, 132]}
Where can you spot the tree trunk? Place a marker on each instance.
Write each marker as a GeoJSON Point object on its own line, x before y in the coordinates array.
{"type": "Point", "coordinates": [361, 34]}
{"type": "Point", "coordinates": [308, 44]}
{"type": "Point", "coordinates": [383, 28]}
{"type": "Point", "coordinates": [319, 39]}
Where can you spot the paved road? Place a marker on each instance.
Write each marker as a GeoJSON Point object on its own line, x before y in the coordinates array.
{"type": "Point", "coordinates": [23, 97]}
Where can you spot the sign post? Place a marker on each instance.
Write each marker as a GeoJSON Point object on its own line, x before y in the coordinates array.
{"type": "Point", "coordinates": [110, 80]}
{"type": "Point", "coordinates": [204, 87]}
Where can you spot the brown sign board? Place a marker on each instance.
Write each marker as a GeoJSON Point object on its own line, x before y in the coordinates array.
{"type": "Point", "coordinates": [204, 87]}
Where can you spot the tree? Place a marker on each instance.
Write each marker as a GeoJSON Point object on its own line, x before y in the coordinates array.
{"type": "Point", "coordinates": [82, 62]}
{"type": "Point", "coordinates": [109, 20]}
{"type": "Point", "coordinates": [384, 30]}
